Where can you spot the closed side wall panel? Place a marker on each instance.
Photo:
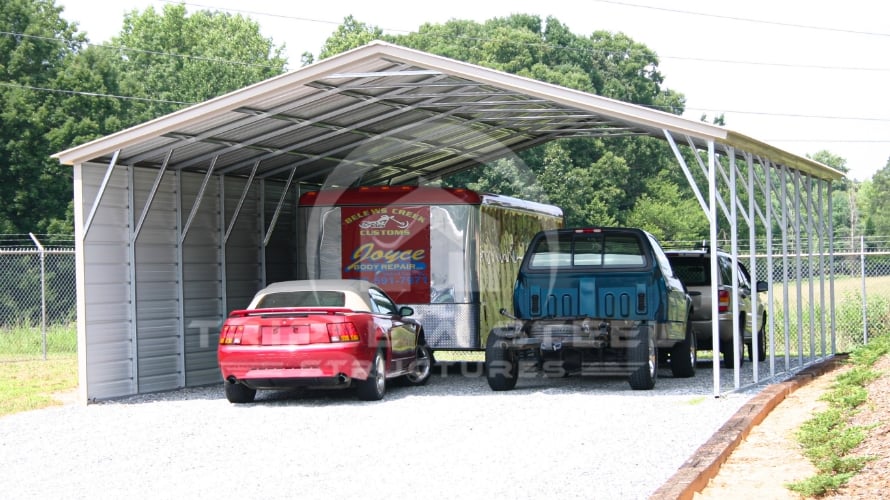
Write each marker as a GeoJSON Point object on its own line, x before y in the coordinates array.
{"type": "Point", "coordinates": [104, 279]}
{"type": "Point", "coordinates": [281, 252]}
{"type": "Point", "coordinates": [202, 281]}
{"type": "Point", "coordinates": [244, 245]}
{"type": "Point", "coordinates": [157, 296]}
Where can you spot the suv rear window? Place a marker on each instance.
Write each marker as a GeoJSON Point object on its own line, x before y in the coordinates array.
{"type": "Point", "coordinates": [605, 250]}
{"type": "Point", "coordinates": [692, 271]}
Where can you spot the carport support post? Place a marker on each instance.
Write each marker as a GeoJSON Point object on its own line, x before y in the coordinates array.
{"type": "Point", "coordinates": [734, 250]}
{"type": "Point", "coordinates": [712, 212]}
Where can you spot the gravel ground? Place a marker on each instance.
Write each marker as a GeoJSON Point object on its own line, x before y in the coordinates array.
{"type": "Point", "coordinates": [575, 437]}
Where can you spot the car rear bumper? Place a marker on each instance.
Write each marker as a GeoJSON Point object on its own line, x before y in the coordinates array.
{"type": "Point", "coordinates": [295, 366]}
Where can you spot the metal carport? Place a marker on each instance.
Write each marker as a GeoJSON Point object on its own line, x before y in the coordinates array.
{"type": "Point", "coordinates": [182, 218]}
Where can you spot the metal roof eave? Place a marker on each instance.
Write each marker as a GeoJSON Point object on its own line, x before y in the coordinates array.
{"type": "Point", "coordinates": [635, 116]}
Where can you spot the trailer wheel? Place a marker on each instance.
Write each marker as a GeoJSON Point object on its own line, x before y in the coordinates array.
{"type": "Point", "coordinates": [684, 355]}
{"type": "Point", "coordinates": [501, 365]}
{"type": "Point", "coordinates": [644, 360]}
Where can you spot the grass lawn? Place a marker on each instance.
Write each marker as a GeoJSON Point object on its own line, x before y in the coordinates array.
{"type": "Point", "coordinates": [30, 384]}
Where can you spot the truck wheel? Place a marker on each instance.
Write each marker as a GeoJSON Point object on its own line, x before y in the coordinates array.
{"type": "Point", "coordinates": [684, 355]}
{"type": "Point", "coordinates": [644, 360]}
{"type": "Point", "coordinates": [501, 365]}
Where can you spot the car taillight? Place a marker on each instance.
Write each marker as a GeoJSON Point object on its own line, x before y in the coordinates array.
{"type": "Point", "coordinates": [723, 301]}
{"type": "Point", "coordinates": [342, 332]}
{"type": "Point", "coordinates": [231, 334]}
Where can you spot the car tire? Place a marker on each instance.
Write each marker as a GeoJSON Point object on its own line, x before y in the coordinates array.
{"type": "Point", "coordinates": [423, 366]}
{"type": "Point", "coordinates": [684, 355]}
{"type": "Point", "coordinates": [239, 393]}
{"type": "Point", "coordinates": [501, 365]}
{"type": "Point", "coordinates": [373, 388]}
{"type": "Point", "coordinates": [644, 360]}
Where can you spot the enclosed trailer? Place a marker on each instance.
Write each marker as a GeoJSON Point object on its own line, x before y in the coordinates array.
{"type": "Point", "coordinates": [451, 254]}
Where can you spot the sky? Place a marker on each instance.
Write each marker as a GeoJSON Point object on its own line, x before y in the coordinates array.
{"type": "Point", "coordinates": [804, 76]}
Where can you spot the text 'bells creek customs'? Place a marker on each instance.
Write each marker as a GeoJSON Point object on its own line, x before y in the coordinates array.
{"type": "Point", "coordinates": [451, 254]}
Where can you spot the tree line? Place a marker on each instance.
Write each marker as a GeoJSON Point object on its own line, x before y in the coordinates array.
{"type": "Point", "coordinates": [58, 91]}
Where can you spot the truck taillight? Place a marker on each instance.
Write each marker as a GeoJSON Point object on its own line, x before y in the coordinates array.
{"type": "Point", "coordinates": [342, 332]}
{"type": "Point", "coordinates": [231, 334]}
{"type": "Point", "coordinates": [723, 301]}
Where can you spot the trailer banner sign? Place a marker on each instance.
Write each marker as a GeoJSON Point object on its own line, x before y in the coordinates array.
{"type": "Point", "coordinates": [389, 246]}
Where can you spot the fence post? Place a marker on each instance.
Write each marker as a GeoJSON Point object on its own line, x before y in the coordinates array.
{"type": "Point", "coordinates": [42, 252]}
{"type": "Point", "coordinates": [864, 298]}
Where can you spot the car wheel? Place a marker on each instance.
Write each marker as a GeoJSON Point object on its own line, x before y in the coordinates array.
{"type": "Point", "coordinates": [501, 365]}
{"type": "Point", "coordinates": [684, 355]}
{"type": "Point", "coordinates": [644, 359]}
{"type": "Point", "coordinates": [239, 393]}
{"type": "Point", "coordinates": [423, 366]}
{"type": "Point", "coordinates": [373, 388]}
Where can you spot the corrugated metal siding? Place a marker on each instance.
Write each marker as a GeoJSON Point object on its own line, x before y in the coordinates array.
{"type": "Point", "coordinates": [202, 281]}
{"type": "Point", "coordinates": [281, 252]}
{"type": "Point", "coordinates": [158, 337]}
{"type": "Point", "coordinates": [109, 341]}
{"type": "Point", "coordinates": [244, 245]}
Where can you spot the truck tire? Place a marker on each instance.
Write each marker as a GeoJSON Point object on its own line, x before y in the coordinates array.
{"type": "Point", "coordinates": [684, 355]}
{"type": "Point", "coordinates": [644, 360]}
{"type": "Point", "coordinates": [501, 365]}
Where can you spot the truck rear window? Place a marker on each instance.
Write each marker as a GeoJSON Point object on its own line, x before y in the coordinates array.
{"type": "Point", "coordinates": [605, 250]}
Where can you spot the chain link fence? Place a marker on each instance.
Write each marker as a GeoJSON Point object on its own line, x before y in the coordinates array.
{"type": "Point", "coordinates": [861, 294]}
{"type": "Point", "coordinates": [38, 297]}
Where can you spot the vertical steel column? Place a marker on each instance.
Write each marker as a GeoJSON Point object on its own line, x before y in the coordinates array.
{"type": "Point", "coordinates": [820, 232]}
{"type": "Point", "coordinates": [752, 245]}
{"type": "Point", "coordinates": [833, 324]}
{"type": "Point", "coordinates": [131, 280]}
{"type": "Point", "coordinates": [783, 177]}
{"type": "Point", "coordinates": [798, 271]}
{"type": "Point", "coordinates": [715, 312]}
{"type": "Point", "coordinates": [181, 230]}
{"type": "Point", "coordinates": [737, 341]}
{"type": "Point", "coordinates": [808, 186]}
{"type": "Point", "coordinates": [221, 261]}
{"type": "Point", "coordinates": [770, 297]}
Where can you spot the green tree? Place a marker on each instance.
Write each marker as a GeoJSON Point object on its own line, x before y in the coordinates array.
{"type": "Point", "coordinates": [877, 210]}
{"type": "Point", "coordinates": [34, 189]}
{"type": "Point", "coordinates": [349, 35]}
{"type": "Point", "coordinates": [172, 59]}
{"type": "Point", "coordinates": [63, 93]}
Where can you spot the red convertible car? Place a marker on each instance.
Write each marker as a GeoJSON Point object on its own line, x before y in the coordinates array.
{"type": "Point", "coordinates": [321, 334]}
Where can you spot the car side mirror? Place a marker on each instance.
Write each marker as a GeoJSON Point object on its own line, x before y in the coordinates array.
{"type": "Point", "coordinates": [405, 311]}
{"type": "Point", "coordinates": [762, 286]}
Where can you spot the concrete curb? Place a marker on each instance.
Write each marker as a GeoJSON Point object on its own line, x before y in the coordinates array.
{"type": "Point", "coordinates": [697, 472]}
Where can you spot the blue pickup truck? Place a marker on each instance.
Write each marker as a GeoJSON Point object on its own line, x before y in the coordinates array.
{"type": "Point", "coordinates": [594, 301]}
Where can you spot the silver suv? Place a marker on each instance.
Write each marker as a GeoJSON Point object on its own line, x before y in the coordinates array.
{"type": "Point", "coordinates": [693, 269]}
